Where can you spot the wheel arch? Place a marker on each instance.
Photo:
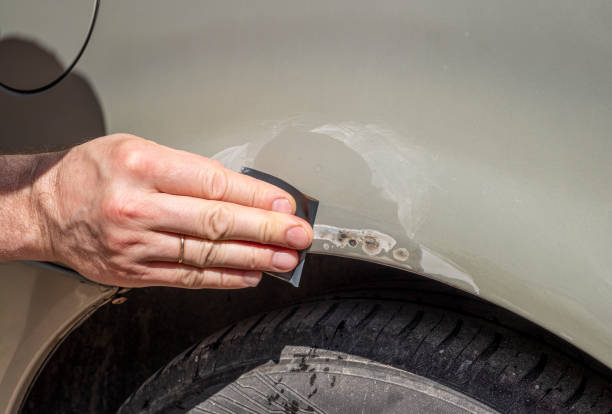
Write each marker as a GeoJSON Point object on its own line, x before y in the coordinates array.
{"type": "Point", "coordinates": [121, 345]}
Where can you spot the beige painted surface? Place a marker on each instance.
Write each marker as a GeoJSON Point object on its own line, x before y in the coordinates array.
{"type": "Point", "coordinates": [476, 134]}
{"type": "Point", "coordinates": [37, 308]}
{"type": "Point", "coordinates": [472, 136]}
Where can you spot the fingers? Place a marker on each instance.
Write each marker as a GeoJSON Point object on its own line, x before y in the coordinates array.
{"type": "Point", "coordinates": [216, 220]}
{"type": "Point", "coordinates": [188, 174]}
{"type": "Point", "coordinates": [184, 276]}
{"type": "Point", "coordinates": [225, 254]}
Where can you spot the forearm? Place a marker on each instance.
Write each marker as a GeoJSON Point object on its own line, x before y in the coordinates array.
{"type": "Point", "coordinates": [24, 184]}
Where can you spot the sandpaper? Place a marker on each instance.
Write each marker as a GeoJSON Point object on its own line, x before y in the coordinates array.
{"type": "Point", "coordinates": [306, 208]}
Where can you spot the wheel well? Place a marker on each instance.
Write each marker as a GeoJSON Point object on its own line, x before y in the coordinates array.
{"type": "Point", "coordinates": [106, 358]}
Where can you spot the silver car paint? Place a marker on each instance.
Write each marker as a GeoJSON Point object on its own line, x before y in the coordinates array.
{"type": "Point", "coordinates": [469, 139]}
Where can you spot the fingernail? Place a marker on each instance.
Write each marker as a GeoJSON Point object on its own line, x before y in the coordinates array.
{"type": "Point", "coordinates": [281, 205]}
{"type": "Point", "coordinates": [252, 278]}
{"type": "Point", "coordinates": [284, 260]}
{"type": "Point", "coordinates": [297, 237]}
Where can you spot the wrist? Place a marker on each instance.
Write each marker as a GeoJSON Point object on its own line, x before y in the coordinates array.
{"type": "Point", "coordinates": [26, 198]}
{"type": "Point", "coordinates": [43, 204]}
{"type": "Point", "coordinates": [20, 235]}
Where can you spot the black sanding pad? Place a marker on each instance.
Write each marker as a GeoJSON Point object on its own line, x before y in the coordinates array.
{"type": "Point", "coordinates": [306, 208]}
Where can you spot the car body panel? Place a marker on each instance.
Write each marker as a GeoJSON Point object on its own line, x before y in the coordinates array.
{"type": "Point", "coordinates": [476, 133]}
{"type": "Point", "coordinates": [38, 308]}
{"type": "Point", "coordinates": [466, 141]}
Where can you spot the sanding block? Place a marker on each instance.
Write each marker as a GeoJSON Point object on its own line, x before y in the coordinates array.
{"type": "Point", "coordinates": [306, 208]}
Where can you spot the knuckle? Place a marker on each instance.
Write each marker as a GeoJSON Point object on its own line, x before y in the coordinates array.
{"type": "Point", "coordinates": [225, 280]}
{"type": "Point", "coordinates": [132, 162]}
{"type": "Point", "coordinates": [124, 136]}
{"type": "Point", "coordinates": [121, 209]}
{"type": "Point", "coordinates": [215, 183]}
{"type": "Point", "coordinates": [253, 197]}
{"type": "Point", "coordinates": [191, 280]}
{"type": "Point", "coordinates": [131, 156]}
{"type": "Point", "coordinates": [253, 260]}
{"type": "Point", "coordinates": [218, 222]}
{"type": "Point", "coordinates": [208, 253]}
{"type": "Point", "coordinates": [265, 232]}
{"type": "Point", "coordinates": [216, 163]}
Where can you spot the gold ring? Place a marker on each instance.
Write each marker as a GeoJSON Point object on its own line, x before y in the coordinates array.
{"type": "Point", "coordinates": [181, 250]}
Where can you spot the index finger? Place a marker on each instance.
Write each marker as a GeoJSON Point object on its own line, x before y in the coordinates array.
{"type": "Point", "coordinates": [184, 173]}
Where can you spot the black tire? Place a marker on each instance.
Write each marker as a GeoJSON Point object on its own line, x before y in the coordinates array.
{"type": "Point", "coordinates": [349, 355]}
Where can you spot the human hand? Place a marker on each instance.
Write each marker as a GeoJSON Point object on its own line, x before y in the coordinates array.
{"type": "Point", "coordinates": [115, 208]}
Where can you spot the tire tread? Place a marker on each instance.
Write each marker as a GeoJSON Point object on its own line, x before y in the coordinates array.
{"type": "Point", "coordinates": [498, 366]}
